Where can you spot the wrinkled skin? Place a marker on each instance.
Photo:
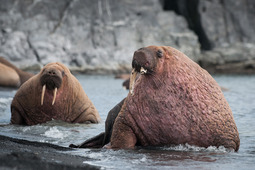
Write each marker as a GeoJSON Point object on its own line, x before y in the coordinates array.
{"type": "Point", "coordinates": [174, 101]}
{"type": "Point", "coordinates": [70, 104]}
{"type": "Point", "coordinates": [10, 75]}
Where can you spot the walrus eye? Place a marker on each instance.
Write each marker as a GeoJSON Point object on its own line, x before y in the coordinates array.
{"type": "Point", "coordinates": [159, 53]}
{"type": "Point", "coordinates": [63, 73]}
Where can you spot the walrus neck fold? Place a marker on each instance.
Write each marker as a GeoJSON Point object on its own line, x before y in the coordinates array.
{"type": "Point", "coordinates": [54, 94]}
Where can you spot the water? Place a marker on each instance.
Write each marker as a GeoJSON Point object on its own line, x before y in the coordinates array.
{"type": "Point", "coordinates": [105, 92]}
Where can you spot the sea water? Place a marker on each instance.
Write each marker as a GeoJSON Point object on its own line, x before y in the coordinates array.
{"type": "Point", "coordinates": [105, 92]}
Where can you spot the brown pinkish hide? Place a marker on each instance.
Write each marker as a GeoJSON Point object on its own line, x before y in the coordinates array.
{"type": "Point", "coordinates": [174, 101]}
{"type": "Point", "coordinates": [10, 75]}
{"type": "Point", "coordinates": [54, 93]}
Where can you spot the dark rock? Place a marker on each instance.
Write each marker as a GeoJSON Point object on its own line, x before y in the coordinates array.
{"type": "Point", "coordinates": [225, 29]}
{"type": "Point", "coordinates": [23, 154]}
{"type": "Point", "coordinates": [228, 21]}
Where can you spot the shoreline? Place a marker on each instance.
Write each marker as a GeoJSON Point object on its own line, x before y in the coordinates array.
{"type": "Point", "coordinates": [24, 154]}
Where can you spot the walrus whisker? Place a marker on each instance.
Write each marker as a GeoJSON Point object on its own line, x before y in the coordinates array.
{"type": "Point", "coordinates": [132, 80]}
{"type": "Point", "coordinates": [43, 92]}
{"type": "Point", "coordinates": [54, 95]}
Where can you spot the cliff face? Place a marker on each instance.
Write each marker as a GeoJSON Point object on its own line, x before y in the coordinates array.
{"type": "Point", "coordinates": [225, 29]}
{"type": "Point", "coordinates": [101, 35]}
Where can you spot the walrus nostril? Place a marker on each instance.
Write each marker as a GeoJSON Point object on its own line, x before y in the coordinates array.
{"type": "Point", "coordinates": [51, 72]}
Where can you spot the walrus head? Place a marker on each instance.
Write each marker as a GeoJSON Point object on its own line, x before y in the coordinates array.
{"type": "Point", "coordinates": [145, 61]}
{"type": "Point", "coordinates": [51, 79]}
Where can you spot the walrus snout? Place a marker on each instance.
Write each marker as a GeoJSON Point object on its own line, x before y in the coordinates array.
{"type": "Point", "coordinates": [141, 59]}
{"type": "Point", "coordinates": [144, 62]}
{"type": "Point", "coordinates": [52, 80]}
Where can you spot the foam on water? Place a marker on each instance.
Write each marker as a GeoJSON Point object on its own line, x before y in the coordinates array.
{"type": "Point", "coordinates": [53, 132]}
{"type": "Point", "coordinates": [5, 110]}
{"type": "Point", "coordinates": [193, 148]}
{"type": "Point", "coordinates": [5, 100]}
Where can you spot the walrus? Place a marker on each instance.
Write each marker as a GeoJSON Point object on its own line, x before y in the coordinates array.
{"type": "Point", "coordinates": [174, 101]}
{"type": "Point", "coordinates": [10, 75]}
{"type": "Point", "coordinates": [54, 93]}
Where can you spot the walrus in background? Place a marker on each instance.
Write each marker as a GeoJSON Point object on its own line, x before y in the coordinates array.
{"type": "Point", "coordinates": [174, 101]}
{"type": "Point", "coordinates": [54, 93]}
{"type": "Point", "coordinates": [10, 75]}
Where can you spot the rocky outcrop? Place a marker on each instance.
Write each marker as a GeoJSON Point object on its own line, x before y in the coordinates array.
{"type": "Point", "coordinates": [231, 32]}
{"type": "Point", "coordinates": [91, 36]}
{"type": "Point", "coordinates": [225, 29]}
{"type": "Point", "coordinates": [100, 36]}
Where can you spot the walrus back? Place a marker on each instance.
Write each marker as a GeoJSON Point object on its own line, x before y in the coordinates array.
{"type": "Point", "coordinates": [8, 76]}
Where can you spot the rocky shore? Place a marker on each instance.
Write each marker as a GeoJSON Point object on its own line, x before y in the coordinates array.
{"type": "Point", "coordinates": [22, 154]}
{"type": "Point", "coordinates": [100, 36]}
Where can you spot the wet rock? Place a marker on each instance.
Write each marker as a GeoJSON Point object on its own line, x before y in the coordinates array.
{"type": "Point", "coordinates": [23, 154]}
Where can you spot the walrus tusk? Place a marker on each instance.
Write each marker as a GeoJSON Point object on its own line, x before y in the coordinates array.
{"type": "Point", "coordinates": [143, 71]}
{"type": "Point", "coordinates": [43, 92]}
{"type": "Point", "coordinates": [132, 81]}
{"type": "Point", "coordinates": [55, 94]}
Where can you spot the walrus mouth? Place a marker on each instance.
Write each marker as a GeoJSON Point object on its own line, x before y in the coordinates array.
{"type": "Point", "coordinates": [50, 83]}
{"type": "Point", "coordinates": [54, 94]}
{"type": "Point", "coordinates": [143, 71]}
{"type": "Point", "coordinates": [133, 78]}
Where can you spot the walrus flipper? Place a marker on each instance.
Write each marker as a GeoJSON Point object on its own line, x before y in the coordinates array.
{"type": "Point", "coordinates": [95, 142]}
{"type": "Point", "coordinates": [103, 138]}
{"type": "Point", "coordinates": [112, 115]}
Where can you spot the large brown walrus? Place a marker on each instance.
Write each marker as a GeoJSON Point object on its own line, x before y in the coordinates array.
{"type": "Point", "coordinates": [10, 75]}
{"type": "Point", "coordinates": [174, 101]}
{"type": "Point", "coordinates": [54, 93]}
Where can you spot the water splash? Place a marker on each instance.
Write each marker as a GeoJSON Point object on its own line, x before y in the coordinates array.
{"type": "Point", "coordinates": [5, 110]}
{"type": "Point", "coordinates": [192, 148]}
{"type": "Point", "coordinates": [53, 132]}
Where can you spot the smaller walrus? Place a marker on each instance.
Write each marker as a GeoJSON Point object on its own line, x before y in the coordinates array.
{"type": "Point", "coordinates": [54, 93]}
{"type": "Point", "coordinates": [174, 101]}
{"type": "Point", "coordinates": [10, 75]}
